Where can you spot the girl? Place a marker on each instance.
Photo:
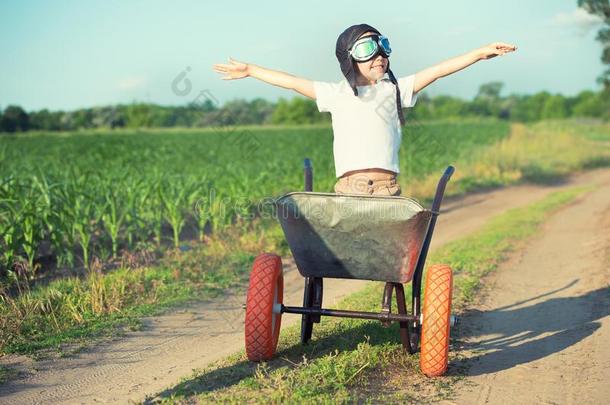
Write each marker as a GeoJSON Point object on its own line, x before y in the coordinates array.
{"type": "Point", "coordinates": [366, 107]}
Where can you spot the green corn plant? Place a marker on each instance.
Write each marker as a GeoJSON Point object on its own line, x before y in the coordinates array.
{"type": "Point", "coordinates": [44, 191]}
{"type": "Point", "coordinates": [133, 214]}
{"type": "Point", "coordinates": [218, 207]}
{"type": "Point", "coordinates": [63, 217]}
{"type": "Point", "coordinates": [113, 217]}
{"type": "Point", "coordinates": [9, 224]}
{"type": "Point", "coordinates": [154, 210]}
{"type": "Point", "coordinates": [29, 240]}
{"type": "Point", "coordinates": [9, 232]}
{"type": "Point", "coordinates": [39, 224]}
{"type": "Point", "coordinates": [83, 224]}
{"type": "Point", "coordinates": [81, 230]}
{"type": "Point", "coordinates": [173, 195]}
{"type": "Point", "coordinates": [26, 232]}
{"type": "Point", "coordinates": [145, 199]}
{"type": "Point", "coordinates": [193, 188]}
{"type": "Point", "coordinates": [200, 213]}
{"type": "Point", "coordinates": [75, 212]}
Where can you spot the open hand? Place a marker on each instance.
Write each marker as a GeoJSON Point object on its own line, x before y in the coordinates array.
{"type": "Point", "coordinates": [233, 70]}
{"type": "Point", "coordinates": [496, 48]}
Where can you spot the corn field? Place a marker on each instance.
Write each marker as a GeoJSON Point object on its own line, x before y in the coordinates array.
{"type": "Point", "coordinates": [66, 198]}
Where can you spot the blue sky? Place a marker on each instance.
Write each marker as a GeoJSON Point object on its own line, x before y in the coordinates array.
{"type": "Point", "coordinates": [73, 54]}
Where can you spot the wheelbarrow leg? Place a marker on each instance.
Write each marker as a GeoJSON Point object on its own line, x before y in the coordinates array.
{"type": "Point", "coordinates": [408, 336]}
{"type": "Point", "coordinates": [312, 298]}
{"type": "Point", "coordinates": [317, 297]}
{"type": "Point", "coordinates": [306, 321]}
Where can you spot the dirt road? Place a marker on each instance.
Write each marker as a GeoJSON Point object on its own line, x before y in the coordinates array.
{"type": "Point", "coordinates": [171, 346]}
{"type": "Point", "coordinates": [541, 335]}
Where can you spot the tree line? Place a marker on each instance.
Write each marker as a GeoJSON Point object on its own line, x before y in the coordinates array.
{"type": "Point", "coordinates": [487, 103]}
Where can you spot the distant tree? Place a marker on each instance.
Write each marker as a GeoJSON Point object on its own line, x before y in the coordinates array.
{"type": "Point", "coordinates": [108, 117]}
{"type": "Point", "coordinates": [482, 107]}
{"type": "Point", "coordinates": [487, 100]}
{"type": "Point", "coordinates": [138, 115]}
{"type": "Point", "coordinates": [448, 107]}
{"type": "Point", "coordinates": [205, 106]}
{"type": "Point", "coordinates": [605, 101]}
{"type": "Point", "coordinates": [44, 120]}
{"type": "Point", "coordinates": [601, 8]}
{"type": "Point", "coordinates": [296, 111]}
{"type": "Point", "coordinates": [187, 116]}
{"type": "Point", "coordinates": [67, 121]}
{"type": "Point", "coordinates": [554, 107]}
{"type": "Point", "coordinates": [423, 109]}
{"type": "Point", "coordinates": [507, 106]}
{"type": "Point", "coordinates": [239, 112]}
{"type": "Point", "coordinates": [587, 104]}
{"type": "Point", "coordinates": [82, 119]}
{"type": "Point", "coordinates": [529, 108]}
{"type": "Point", "coordinates": [14, 119]}
{"type": "Point", "coordinates": [299, 110]}
{"type": "Point", "coordinates": [518, 112]}
{"type": "Point", "coordinates": [490, 90]}
{"type": "Point", "coordinates": [262, 110]}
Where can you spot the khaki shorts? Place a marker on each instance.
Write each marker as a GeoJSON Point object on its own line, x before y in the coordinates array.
{"type": "Point", "coordinates": [376, 183]}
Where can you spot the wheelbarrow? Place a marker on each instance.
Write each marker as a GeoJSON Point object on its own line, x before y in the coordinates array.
{"type": "Point", "coordinates": [350, 236]}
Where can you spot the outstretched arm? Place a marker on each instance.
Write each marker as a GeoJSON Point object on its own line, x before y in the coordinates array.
{"type": "Point", "coordinates": [239, 70]}
{"type": "Point", "coordinates": [429, 75]}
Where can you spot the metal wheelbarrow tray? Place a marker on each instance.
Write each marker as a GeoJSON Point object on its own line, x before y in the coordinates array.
{"type": "Point", "coordinates": [349, 236]}
{"type": "Point", "coordinates": [353, 236]}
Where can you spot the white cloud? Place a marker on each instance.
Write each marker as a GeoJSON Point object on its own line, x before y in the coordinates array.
{"type": "Point", "coordinates": [579, 19]}
{"type": "Point", "coordinates": [132, 83]}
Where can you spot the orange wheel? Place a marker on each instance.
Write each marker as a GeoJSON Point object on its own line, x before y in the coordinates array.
{"type": "Point", "coordinates": [262, 323]}
{"type": "Point", "coordinates": [436, 314]}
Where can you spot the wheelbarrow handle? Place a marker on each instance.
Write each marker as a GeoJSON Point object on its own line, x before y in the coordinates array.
{"type": "Point", "coordinates": [448, 173]}
{"type": "Point", "coordinates": [440, 189]}
{"type": "Point", "coordinates": [308, 172]}
{"type": "Point", "coordinates": [419, 268]}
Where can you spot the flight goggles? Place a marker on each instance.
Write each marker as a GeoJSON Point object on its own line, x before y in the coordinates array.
{"type": "Point", "coordinates": [368, 47]}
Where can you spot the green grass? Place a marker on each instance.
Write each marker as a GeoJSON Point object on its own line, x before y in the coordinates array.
{"type": "Point", "coordinates": [543, 153]}
{"type": "Point", "coordinates": [360, 361]}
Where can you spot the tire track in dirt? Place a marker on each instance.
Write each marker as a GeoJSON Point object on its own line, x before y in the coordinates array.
{"type": "Point", "coordinates": [170, 346]}
{"type": "Point", "coordinates": [540, 334]}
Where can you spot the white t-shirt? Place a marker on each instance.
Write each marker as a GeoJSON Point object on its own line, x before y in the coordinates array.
{"type": "Point", "coordinates": [366, 128]}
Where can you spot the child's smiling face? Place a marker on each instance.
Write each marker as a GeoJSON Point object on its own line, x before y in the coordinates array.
{"type": "Point", "coordinates": [372, 70]}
